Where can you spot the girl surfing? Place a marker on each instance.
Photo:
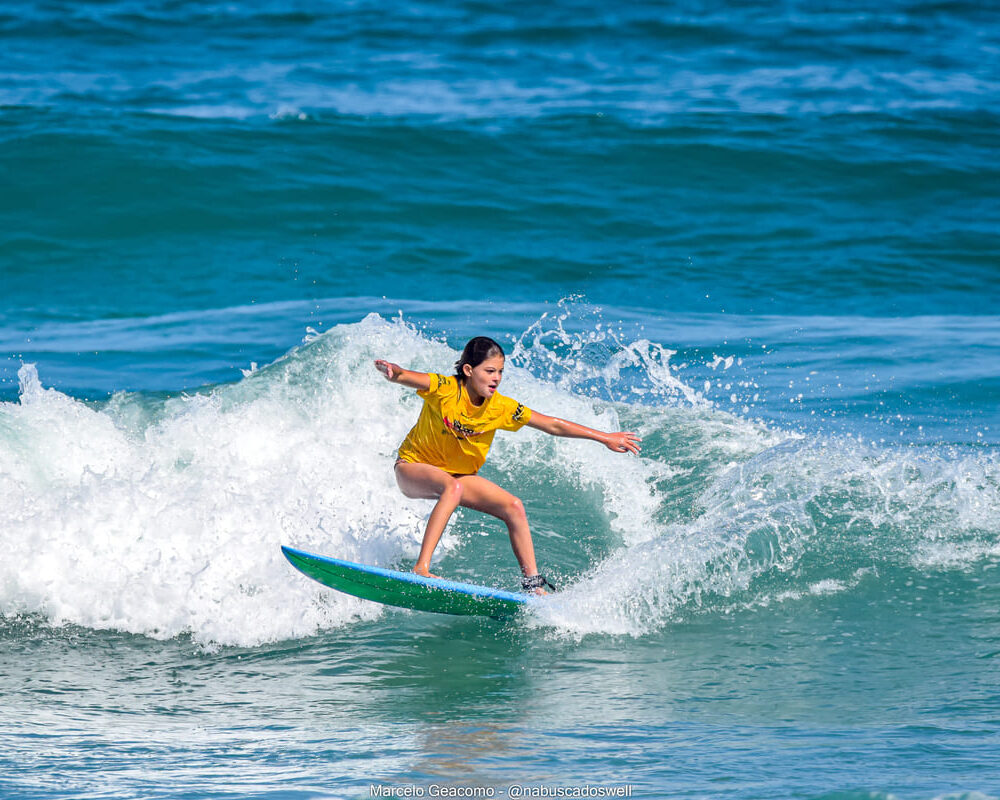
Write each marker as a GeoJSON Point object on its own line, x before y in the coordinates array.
{"type": "Point", "coordinates": [442, 454]}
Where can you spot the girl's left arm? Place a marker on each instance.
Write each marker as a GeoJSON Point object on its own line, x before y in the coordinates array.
{"type": "Point", "coordinates": [626, 442]}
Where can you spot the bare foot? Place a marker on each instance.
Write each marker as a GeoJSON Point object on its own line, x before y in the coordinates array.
{"type": "Point", "coordinates": [426, 573]}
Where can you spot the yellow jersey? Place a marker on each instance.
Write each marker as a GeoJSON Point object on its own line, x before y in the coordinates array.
{"type": "Point", "coordinates": [452, 433]}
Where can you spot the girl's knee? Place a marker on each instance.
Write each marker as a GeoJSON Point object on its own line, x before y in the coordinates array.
{"type": "Point", "coordinates": [515, 510]}
{"type": "Point", "coordinates": [453, 492]}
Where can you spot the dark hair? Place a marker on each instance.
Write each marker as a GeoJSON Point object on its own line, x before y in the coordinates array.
{"type": "Point", "coordinates": [476, 351]}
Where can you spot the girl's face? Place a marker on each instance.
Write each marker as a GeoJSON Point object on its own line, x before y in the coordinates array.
{"type": "Point", "coordinates": [482, 381]}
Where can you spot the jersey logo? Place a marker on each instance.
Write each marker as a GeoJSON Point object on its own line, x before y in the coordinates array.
{"type": "Point", "coordinates": [518, 413]}
{"type": "Point", "coordinates": [461, 431]}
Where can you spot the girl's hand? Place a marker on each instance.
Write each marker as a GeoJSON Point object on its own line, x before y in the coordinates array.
{"type": "Point", "coordinates": [387, 368]}
{"type": "Point", "coordinates": [394, 373]}
{"type": "Point", "coordinates": [626, 442]}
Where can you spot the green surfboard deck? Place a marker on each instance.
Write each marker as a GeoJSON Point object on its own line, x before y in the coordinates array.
{"type": "Point", "coordinates": [406, 589]}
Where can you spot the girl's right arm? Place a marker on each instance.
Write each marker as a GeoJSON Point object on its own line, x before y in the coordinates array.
{"type": "Point", "coordinates": [396, 374]}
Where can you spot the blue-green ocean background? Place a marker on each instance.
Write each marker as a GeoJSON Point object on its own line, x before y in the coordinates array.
{"type": "Point", "coordinates": [766, 236]}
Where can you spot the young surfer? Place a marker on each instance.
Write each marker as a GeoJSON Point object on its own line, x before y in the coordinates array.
{"type": "Point", "coordinates": [441, 455]}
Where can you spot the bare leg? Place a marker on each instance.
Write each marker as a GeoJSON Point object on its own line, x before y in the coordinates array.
{"type": "Point", "coordinates": [424, 482]}
{"type": "Point", "coordinates": [483, 495]}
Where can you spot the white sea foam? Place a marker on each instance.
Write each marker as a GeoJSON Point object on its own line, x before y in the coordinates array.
{"type": "Point", "coordinates": [792, 521]}
{"type": "Point", "coordinates": [168, 520]}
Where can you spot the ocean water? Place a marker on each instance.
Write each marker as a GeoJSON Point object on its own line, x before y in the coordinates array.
{"type": "Point", "coordinates": [764, 236]}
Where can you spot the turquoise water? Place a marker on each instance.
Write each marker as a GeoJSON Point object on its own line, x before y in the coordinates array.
{"type": "Point", "coordinates": [767, 237]}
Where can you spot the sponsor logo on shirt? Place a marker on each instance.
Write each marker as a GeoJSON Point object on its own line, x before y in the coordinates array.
{"type": "Point", "coordinates": [459, 430]}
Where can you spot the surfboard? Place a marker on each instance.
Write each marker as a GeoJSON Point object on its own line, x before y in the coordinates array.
{"type": "Point", "coordinates": [406, 589]}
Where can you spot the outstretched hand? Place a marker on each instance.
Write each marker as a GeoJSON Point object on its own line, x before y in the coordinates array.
{"type": "Point", "coordinates": [626, 442]}
{"type": "Point", "coordinates": [387, 368]}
